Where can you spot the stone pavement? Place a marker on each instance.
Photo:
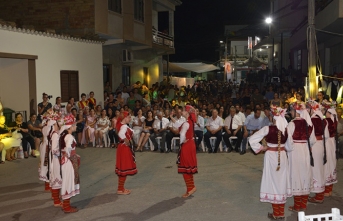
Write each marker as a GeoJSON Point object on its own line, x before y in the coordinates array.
{"type": "Point", "coordinates": [228, 189]}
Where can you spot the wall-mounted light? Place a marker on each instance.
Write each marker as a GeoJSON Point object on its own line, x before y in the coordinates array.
{"type": "Point", "coordinates": [269, 20]}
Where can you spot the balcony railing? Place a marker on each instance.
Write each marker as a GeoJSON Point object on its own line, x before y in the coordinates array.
{"type": "Point", "coordinates": [161, 38]}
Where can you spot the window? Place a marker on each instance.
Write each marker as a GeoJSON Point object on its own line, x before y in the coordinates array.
{"type": "Point", "coordinates": [69, 85]}
{"type": "Point", "coordinates": [139, 10]}
{"type": "Point", "coordinates": [114, 5]}
{"type": "Point", "coordinates": [126, 75]}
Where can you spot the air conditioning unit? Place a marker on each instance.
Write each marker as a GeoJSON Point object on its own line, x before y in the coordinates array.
{"type": "Point", "coordinates": [127, 56]}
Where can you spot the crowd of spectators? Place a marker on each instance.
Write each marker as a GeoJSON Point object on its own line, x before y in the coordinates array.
{"type": "Point", "coordinates": [227, 113]}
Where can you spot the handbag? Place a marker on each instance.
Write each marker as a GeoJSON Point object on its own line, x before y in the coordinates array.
{"type": "Point", "coordinates": [20, 153]}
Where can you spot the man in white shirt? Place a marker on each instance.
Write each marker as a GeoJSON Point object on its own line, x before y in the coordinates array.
{"type": "Point", "coordinates": [160, 130]}
{"type": "Point", "coordinates": [174, 128]}
{"type": "Point", "coordinates": [251, 125]}
{"type": "Point", "coordinates": [233, 128]}
{"type": "Point", "coordinates": [199, 128]}
{"type": "Point", "coordinates": [214, 127]}
{"type": "Point", "coordinates": [240, 112]}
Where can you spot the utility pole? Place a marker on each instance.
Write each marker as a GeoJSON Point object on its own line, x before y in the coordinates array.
{"type": "Point", "coordinates": [312, 62]}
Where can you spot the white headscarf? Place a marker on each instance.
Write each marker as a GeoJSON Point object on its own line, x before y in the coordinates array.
{"type": "Point", "coordinates": [333, 113]}
{"type": "Point", "coordinates": [279, 116]}
{"type": "Point", "coordinates": [304, 115]}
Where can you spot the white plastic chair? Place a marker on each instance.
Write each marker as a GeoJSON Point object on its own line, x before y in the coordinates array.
{"type": "Point", "coordinates": [173, 142]}
{"type": "Point", "coordinates": [333, 216]}
{"type": "Point", "coordinates": [213, 142]}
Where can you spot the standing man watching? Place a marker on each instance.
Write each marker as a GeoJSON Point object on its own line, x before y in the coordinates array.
{"type": "Point", "coordinates": [174, 128]}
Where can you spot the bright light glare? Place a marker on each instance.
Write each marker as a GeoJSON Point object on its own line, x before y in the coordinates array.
{"type": "Point", "coordinates": [269, 20]}
{"type": "Point", "coordinates": [221, 42]}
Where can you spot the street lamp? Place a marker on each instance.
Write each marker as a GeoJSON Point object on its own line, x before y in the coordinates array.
{"type": "Point", "coordinates": [269, 20]}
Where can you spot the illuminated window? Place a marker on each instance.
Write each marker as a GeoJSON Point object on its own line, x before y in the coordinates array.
{"type": "Point", "coordinates": [139, 10]}
{"type": "Point", "coordinates": [114, 5]}
{"type": "Point", "coordinates": [69, 85]}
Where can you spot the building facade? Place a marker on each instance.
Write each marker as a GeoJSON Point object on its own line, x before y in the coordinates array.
{"type": "Point", "coordinates": [136, 33]}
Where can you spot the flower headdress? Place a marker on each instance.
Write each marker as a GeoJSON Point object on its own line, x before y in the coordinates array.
{"type": "Point", "coordinates": [331, 108]}
{"type": "Point", "coordinates": [50, 117]}
{"type": "Point", "coordinates": [279, 116]}
{"type": "Point", "coordinates": [66, 122]}
{"type": "Point", "coordinates": [316, 107]}
{"type": "Point", "coordinates": [300, 108]}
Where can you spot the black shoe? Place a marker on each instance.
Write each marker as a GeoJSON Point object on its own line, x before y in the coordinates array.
{"type": "Point", "coordinates": [161, 150]}
{"type": "Point", "coordinates": [237, 150]}
{"type": "Point", "coordinates": [242, 152]}
{"type": "Point", "coordinates": [155, 149]}
{"type": "Point", "coordinates": [209, 150]}
{"type": "Point", "coordinates": [229, 150]}
{"type": "Point", "coordinates": [198, 150]}
{"type": "Point", "coordinates": [169, 150]}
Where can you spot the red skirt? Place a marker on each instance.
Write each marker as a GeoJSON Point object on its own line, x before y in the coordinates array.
{"type": "Point", "coordinates": [125, 163]}
{"type": "Point", "coordinates": [187, 158]}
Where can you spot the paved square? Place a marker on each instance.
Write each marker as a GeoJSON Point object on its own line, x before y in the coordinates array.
{"type": "Point", "coordinates": [227, 189]}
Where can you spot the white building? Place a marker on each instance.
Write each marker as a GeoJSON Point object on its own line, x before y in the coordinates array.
{"type": "Point", "coordinates": [32, 63]}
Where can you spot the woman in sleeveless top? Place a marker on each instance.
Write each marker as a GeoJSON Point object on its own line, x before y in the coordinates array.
{"type": "Point", "coordinates": [147, 130]}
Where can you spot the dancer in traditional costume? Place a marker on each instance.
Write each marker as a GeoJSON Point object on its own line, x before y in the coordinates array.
{"type": "Point", "coordinates": [43, 169]}
{"type": "Point", "coordinates": [275, 184]}
{"type": "Point", "coordinates": [70, 163]}
{"type": "Point", "coordinates": [301, 137]}
{"type": "Point", "coordinates": [187, 160]}
{"type": "Point", "coordinates": [125, 159]}
{"type": "Point", "coordinates": [330, 167]}
{"type": "Point", "coordinates": [318, 151]}
{"type": "Point", "coordinates": [55, 166]}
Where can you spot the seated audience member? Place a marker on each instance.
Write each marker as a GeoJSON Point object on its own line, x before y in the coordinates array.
{"type": "Point", "coordinates": [137, 126]}
{"type": "Point", "coordinates": [214, 127]}
{"type": "Point", "coordinates": [8, 145]}
{"type": "Point", "coordinates": [44, 106]}
{"type": "Point", "coordinates": [268, 119]}
{"type": "Point", "coordinates": [98, 110]}
{"type": "Point", "coordinates": [233, 128]}
{"type": "Point", "coordinates": [80, 123]}
{"type": "Point", "coordinates": [91, 100]}
{"type": "Point", "coordinates": [147, 131]}
{"type": "Point", "coordinates": [83, 102]}
{"type": "Point", "coordinates": [251, 125]}
{"type": "Point", "coordinates": [89, 129]}
{"type": "Point", "coordinates": [35, 129]}
{"type": "Point", "coordinates": [199, 126]}
{"type": "Point", "coordinates": [160, 130]}
{"type": "Point", "coordinates": [112, 133]}
{"type": "Point", "coordinates": [58, 106]}
{"type": "Point", "coordinates": [174, 128]}
{"type": "Point", "coordinates": [120, 99]}
{"type": "Point", "coordinates": [22, 128]}
{"type": "Point", "coordinates": [103, 124]}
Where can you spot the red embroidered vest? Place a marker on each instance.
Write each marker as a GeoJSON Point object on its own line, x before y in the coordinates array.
{"type": "Point", "coordinates": [300, 130]}
{"type": "Point", "coordinates": [318, 127]}
{"type": "Point", "coordinates": [272, 136]}
{"type": "Point", "coordinates": [332, 126]}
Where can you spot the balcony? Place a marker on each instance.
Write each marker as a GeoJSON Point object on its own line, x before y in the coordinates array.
{"type": "Point", "coordinates": [162, 39]}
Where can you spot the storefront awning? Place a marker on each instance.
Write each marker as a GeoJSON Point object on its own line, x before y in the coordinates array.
{"type": "Point", "coordinates": [189, 67]}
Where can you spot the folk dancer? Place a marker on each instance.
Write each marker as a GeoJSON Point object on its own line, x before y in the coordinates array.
{"type": "Point", "coordinates": [125, 159]}
{"type": "Point", "coordinates": [54, 159]}
{"type": "Point", "coordinates": [275, 184]}
{"type": "Point", "coordinates": [70, 163]}
{"type": "Point", "coordinates": [318, 151]}
{"type": "Point", "coordinates": [187, 160]}
{"type": "Point", "coordinates": [43, 170]}
{"type": "Point", "coordinates": [330, 167]}
{"type": "Point", "coordinates": [301, 137]}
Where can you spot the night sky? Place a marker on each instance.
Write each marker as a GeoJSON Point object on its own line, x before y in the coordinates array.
{"type": "Point", "coordinates": [199, 25]}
